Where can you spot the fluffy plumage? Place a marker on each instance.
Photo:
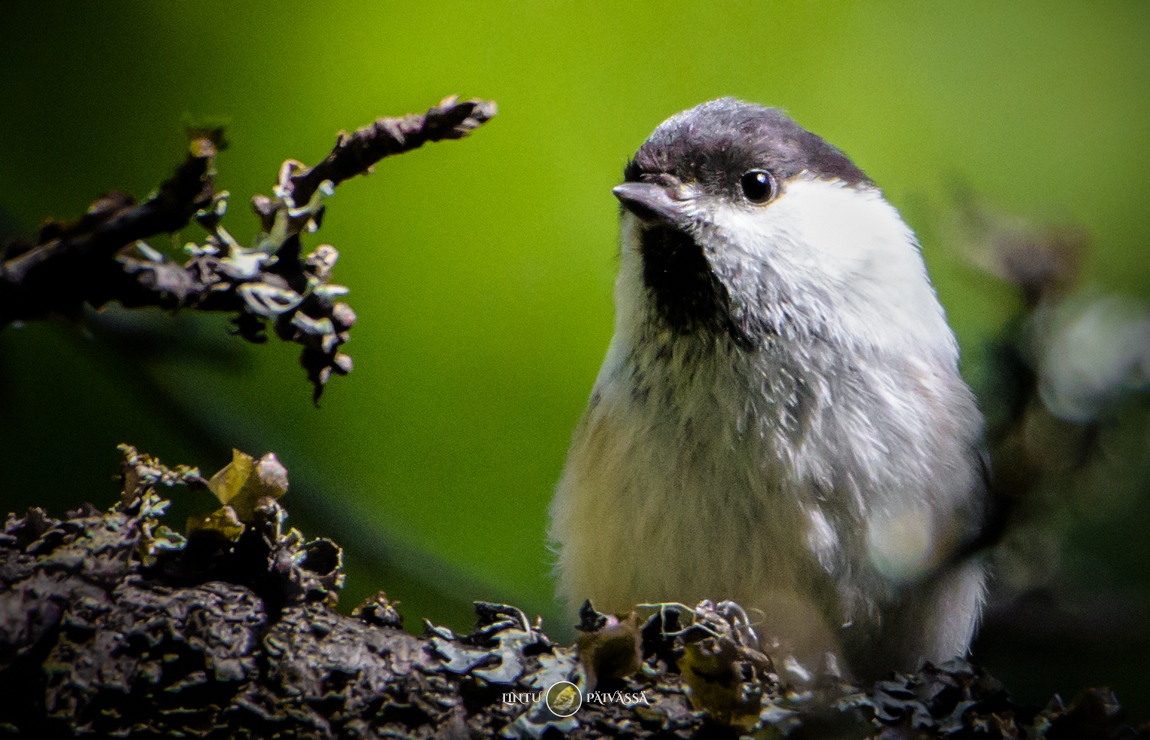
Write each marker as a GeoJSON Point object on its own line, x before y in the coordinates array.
{"type": "Point", "coordinates": [779, 419]}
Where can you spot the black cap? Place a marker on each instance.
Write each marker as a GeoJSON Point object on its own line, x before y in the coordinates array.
{"type": "Point", "coordinates": [716, 143]}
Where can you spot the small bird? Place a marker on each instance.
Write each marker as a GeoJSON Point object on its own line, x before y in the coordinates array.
{"type": "Point", "coordinates": [780, 419]}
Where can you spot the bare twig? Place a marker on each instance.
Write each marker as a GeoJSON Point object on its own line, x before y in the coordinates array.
{"type": "Point", "coordinates": [357, 153]}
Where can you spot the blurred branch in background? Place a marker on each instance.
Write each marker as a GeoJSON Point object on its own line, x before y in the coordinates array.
{"type": "Point", "coordinates": [1065, 394]}
{"type": "Point", "coordinates": [102, 257]}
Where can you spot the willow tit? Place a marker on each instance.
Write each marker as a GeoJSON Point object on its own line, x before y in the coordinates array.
{"type": "Point", "coordinates": [780, 419]}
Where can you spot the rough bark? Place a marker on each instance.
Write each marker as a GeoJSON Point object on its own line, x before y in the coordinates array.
{"type": "Point", "coordinates": [112, 624]}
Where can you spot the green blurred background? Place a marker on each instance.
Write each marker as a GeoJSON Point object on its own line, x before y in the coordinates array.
{"type": "Point", "coordinates": [482, 270]}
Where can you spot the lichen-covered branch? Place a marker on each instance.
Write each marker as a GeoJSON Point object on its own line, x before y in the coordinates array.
{"type": "Point", "coordinates": [104, 257]}
{"type": "Point", "coordinates": [114, 624]}
{"type": "Point", "coordinates": [72, 264]}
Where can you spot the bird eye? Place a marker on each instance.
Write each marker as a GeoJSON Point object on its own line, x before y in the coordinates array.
{"type": "Point", "coordinates": [758, 186]}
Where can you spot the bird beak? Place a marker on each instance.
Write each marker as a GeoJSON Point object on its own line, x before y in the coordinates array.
{"type": "Point", "coordinates": [651, 203]}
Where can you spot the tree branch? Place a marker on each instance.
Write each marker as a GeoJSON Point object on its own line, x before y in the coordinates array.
{"type": "Point", "coordinates": [51, 275]}
{"type": "Point", "coordinates": [103, 257]}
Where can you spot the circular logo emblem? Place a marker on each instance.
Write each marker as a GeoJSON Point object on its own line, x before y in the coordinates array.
{"type": "Point", "coordinates": [564, 698]}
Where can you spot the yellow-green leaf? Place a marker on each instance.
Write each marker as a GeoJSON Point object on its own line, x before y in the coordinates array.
{"type": "Point", "coordinates": [244, 481]}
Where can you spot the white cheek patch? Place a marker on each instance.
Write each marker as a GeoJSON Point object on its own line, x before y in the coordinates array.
{"type": "Point", "coordinates": [810, 226]}
{"type": "Point", "coordinates": [850, 245]}
{"type": "Point", "coordinates": [825, 225]}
